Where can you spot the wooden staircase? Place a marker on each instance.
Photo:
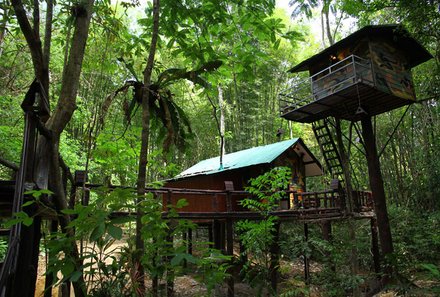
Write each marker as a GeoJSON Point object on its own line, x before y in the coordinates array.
{"type": "Point", "coordinates": [328, 149]}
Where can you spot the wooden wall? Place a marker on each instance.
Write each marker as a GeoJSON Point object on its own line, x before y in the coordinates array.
{"type": "Point", "coordinates": [239, 177]}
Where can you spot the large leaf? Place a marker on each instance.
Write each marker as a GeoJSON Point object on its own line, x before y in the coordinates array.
{"type": "Point", "coordinates": [97, 232]}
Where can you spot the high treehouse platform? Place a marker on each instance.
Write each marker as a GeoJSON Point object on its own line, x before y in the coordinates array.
{"type": "Point", "coordinates": [369, 72]}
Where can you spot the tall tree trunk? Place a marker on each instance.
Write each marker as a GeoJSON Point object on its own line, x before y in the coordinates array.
{"type": "Point", "coordinates": [48, 149]}
{"type": "Point", "coordinates": [143, 157]}
{"type": "Point", "coordinates": [376, 184]}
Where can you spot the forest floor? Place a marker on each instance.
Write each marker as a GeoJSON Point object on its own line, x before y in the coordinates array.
{"type": "Point", "coordinates": [291, 279]}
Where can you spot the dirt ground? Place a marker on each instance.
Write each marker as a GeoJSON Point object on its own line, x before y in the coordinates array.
{"type": "Point", "coordinates": [187, 286]}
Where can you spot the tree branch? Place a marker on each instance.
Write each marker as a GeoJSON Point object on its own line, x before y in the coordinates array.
{"type": "Point", "coordinates": [9, 164]}
{"type": "Point", "coordinates": [71, 74]}
{"type": "Point", "coordinates": [33, 41]}
{"type": "Point", "coordinates": [36, 19]}
{"type": "Point", "coordinates": [48, 33]}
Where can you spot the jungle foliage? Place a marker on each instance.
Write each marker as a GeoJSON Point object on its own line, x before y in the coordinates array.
{"type": "Point", "coordinates": [253, 45]}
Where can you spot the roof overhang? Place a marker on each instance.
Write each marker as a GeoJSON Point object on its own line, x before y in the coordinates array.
{"type": "Point", "coordinates": [252, 157]}
{"type": "Point", "coordinates": [413, 50]}
{"type": "Point", "coordinates": [312, 166]}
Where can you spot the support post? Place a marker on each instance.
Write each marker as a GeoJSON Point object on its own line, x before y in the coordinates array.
{"type": "Point", "coordinates": [230, 252]}
{"type": "Point", "coordinates": [27, 263]}
{"type": "Point", "coordinates": [375, 246]}
{"type": "Point", "coordinates": [216, 234]}
{"type": "Point", "coordinates": [223, 236]}
{"type": "Point", "coordinates": [377, 188]}
{"type": "Point", "coordinates": [327, 236]}
{"type": "Point", "coordinates": [190, 241]}
{"type": "Point", "coordinates": [211, 234]}
{"type": "Point", "coordinates": [306, 259]}
{"type": "Point", "coordinates": [170, 270]}
{"type": "Point", "coordinates": [275, 258]}
{"type": "Point", "coordinates": [50, 276]}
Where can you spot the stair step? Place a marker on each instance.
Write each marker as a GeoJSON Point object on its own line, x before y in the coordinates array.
{"type": "Point", "coordinates": [317, 128]}
{"type": "Point", "coordinates": [327, 143]}
{"type": "Point", "coordinates": [333, 158]}
{"type": "Point", "coordinates": [4, 232]}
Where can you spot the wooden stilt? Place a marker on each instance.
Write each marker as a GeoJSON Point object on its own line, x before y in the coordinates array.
{"type": "Point", "coordinates": [223, 237]}
{"type": "Point", "coordinates": [230, 252]}
{"type": "Point", "coordinates": [243, 254]}
{"type": "Point", "coordinates": [211, 234]}
{"type": "Point", "coordinates": [27, 264]}
{"type": "Point", "coordinates": [275, 258]}
{"type": "Point", "coordinates": [185, 240]}
{"type": "Point", "coordinates": [50, 276]}
{"type": "Point", "coordinates": [306, 258]}
{"type": "Point", "coordinates": [170, 270]}
{"type": "Point", "coordinates": [328, 236]}
{"type": "Point", "coordinates": [216, 234]}
{"type": "Point", "coordinates": [155, 279]}
{"type": "Point", "coordinates": [190, 241]}
{"type": "Point", "coordinates": [375, 246]}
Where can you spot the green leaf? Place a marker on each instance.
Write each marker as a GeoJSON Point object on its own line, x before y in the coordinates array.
{"type": "Point", "coordinates": [67, 269]}
{"type": "Point", "coordinates": [181, 203]}
{"type": "Point", "coordinates": [97, 232]}
{"type": "Point", "coordinates": [69, 211]}
{"type": "Point", "coordinates": [114, 231]}
{"type": "Point", "coordinates": [276, 45]}
{"type": "Point", "coordinates": [19, 217]}
{"type": "Point", "coordinates": [28, 203]}
{"type": "Point", "coordinates": [75, 276]}
{"type": "Point", "coordinates": [28, 221]}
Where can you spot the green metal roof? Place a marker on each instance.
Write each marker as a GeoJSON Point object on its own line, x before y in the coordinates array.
{"type": "Point", "coordinates": [245, 158]}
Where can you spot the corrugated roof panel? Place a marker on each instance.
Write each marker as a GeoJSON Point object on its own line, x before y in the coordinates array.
{"type": "Point", "coordinates": [244, 158]}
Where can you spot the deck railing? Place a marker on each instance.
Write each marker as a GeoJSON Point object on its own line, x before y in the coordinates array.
{"type": "Point", "coordinates": [293, 200]}
{"type": "Point", "coordinates": [327, 82]}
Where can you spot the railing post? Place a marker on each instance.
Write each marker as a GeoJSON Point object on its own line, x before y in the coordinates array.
{"type": "Point", "coordinates": [215, 203]}
{"type": "Point", "coordinates": [228, 201]}
{"type": "Point", "coordinates": [295, 200]}
{"type": "Point", "coordinates": [169, 201]}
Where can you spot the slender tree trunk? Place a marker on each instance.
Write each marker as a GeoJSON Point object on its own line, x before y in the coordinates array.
{"type": "Point", "coordinates": [327, 22]}
{"type": "Point", "coordinates": [222, 124]}
{"type": "Point", "coordinates": [3, 24]}
{"type": "Point", "coordinates": [143, 158]}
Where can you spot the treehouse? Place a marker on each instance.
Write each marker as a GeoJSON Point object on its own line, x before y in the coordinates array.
{"type": "Point", "coordinates": [366, 73]}
{"type": "Point", "coordinates": [208, 176]}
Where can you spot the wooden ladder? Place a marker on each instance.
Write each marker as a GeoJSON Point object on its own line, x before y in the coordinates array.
{"type": "Point", "coordinates": [328, 149]}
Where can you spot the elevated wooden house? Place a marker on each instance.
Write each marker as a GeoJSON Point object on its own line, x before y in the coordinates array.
{"type": "Point", "coordinates": [237, 169]}
{"type": "Point", "coordinates": [366, 73]}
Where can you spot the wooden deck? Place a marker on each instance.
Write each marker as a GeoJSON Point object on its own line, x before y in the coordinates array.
{"type": "Point", "coordinates": [303, 206]}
